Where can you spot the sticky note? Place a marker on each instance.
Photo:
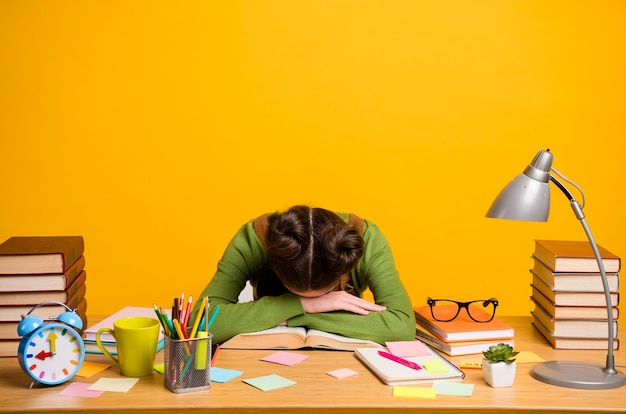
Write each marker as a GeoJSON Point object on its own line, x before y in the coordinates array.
{"type": "Point", "coordinates": [470, 363]}
{"type": "Point", "coordinates": [113, 384]}
{"type": "Point", "coordinates": [223, 375]}
{"type": "Point", "coordinates": [413, 392]}
{"type": "Point", "coordinates": [160, 368]}
{"type": "Point", "coordinates": [527, 356]}
{"type": "Point", "coordinates": [406, 349]}
{"type": "Point", "coordinates": [342, 373]}
{"type": "Point", "coordinates": [90, 368]}
{"type": "Point", "coordinates": [80, 389]}
{"type": "Point", "coordinates": [269, 382]}
{"type": "Point", "coordinates": [435, 366]}
{"type": "Point", "coordinates": [453, 388]}
{"type": "Point", "coordinates": [285, 358]}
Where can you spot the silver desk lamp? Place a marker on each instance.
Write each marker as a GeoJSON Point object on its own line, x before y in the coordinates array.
{"type": "Point", "coordinates": [527, 197]}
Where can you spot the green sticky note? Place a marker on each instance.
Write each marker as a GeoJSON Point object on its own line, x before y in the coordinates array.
{"type": "Point", "coordinates": [160, 368]}
{"type": "Point", "coordinates": [453, 388]}
{"type": "Point", "coordinates": [269, 382]}
{"type": "Point", "coordinates": [435, 366]}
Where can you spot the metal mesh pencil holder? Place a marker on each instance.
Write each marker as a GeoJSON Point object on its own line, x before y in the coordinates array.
{"type": "Point", "coordinates": [187, 364]}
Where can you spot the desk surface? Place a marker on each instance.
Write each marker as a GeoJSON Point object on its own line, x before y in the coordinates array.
{"type": "Point", "coordinates": [317, 392]}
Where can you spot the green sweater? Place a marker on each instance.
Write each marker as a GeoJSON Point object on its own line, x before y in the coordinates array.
{"type": "Point", "coordinates": [245, 259]}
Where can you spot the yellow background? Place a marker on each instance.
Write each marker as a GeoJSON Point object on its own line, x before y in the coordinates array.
{"type": "Point", "coordinates": [156, 128]}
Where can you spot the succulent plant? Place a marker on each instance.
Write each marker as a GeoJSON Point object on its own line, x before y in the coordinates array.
{"type": "Point", "coordinates": [500, 353]}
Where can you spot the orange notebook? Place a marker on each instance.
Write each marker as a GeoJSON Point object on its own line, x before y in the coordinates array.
{"type": "Point", "coordinates": [462, 328]}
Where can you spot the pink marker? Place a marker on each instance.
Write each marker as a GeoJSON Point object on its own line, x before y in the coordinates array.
{"type": "Point", "coordinates": [399, 360]}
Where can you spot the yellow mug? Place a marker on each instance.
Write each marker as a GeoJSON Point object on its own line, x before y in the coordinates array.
{"type": "Point", "coordinates": [136, 341]}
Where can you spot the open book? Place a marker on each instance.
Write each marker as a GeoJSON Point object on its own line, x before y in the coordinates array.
{"type": "Point", "coordinates": [284, 337]}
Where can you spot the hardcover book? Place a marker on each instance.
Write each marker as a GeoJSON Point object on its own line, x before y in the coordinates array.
{"type": "Point", "coordinates": [284, 337]}
{"type": "Point", "coordinates": [572, 312]}
{"type": "Point", "coordinates": [573, 343]}
{"type": "Point", "coordinates": [574, 256]}
{"type": "Point", "coordinates": [40, 254]}
{"type": "Point", "coordinates": [15, 312]}
{"type": "Point", "coordinates": [8, 329]}
{"type": "Point", "coordinates": [574, 281]}
{"type": "Point", "coordinates": [573, 298]}
{"type": "Point", "coordinates": [42, 282]}
{"type": "Point", "coordinates": [573, 328]}
{"type": "Point", "coordinates": [78, 288]}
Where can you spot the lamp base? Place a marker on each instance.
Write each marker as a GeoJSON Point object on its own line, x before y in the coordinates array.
{"type": "Point", "coordinates": [574, 374]}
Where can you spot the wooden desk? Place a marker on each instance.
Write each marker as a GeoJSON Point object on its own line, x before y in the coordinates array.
{"type": "Point", "coordinates": [317, 392]}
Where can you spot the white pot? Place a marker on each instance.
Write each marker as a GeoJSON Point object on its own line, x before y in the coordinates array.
{"type": "Point", "coordinates": [499, 374]}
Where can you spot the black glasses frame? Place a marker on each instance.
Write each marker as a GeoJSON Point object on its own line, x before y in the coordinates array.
{"type": "Point", "coordinates": [460, 305]}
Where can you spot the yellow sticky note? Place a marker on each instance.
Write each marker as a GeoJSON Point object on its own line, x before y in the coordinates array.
{"type": "Point", "coordinates": [435, 366]}
{"type": "Point", "coordinates": [413, 392]}
{"type": "Point", "coordinates": [470, 363]}
{"type": "Point", "coordinates": [527, 356]}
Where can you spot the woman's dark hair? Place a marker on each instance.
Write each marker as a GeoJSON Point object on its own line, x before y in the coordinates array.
{"type": "Point", "coordinates": [311, 248]}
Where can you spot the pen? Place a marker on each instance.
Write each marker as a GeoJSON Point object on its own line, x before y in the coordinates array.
{"type": "Point", "coordinates": [399, 360]}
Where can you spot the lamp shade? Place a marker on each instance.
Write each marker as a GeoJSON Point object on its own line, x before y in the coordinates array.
{"type": "Point", "coordinates": [527, 196]}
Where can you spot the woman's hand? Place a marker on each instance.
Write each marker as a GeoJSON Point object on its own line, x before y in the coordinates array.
{"type": "Point", "coordinates": [339, 300]}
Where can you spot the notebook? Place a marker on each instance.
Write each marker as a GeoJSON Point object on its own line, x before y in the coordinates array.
{"type": "Point", "coordinates": [434, 367]}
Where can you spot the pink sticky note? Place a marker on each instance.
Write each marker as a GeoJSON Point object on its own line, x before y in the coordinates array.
{"type": "Point", "coordinates": [285, 358]}
{"type": "Point", "coordinates": [407, 348]}
{"type": "Point", "coordinates": [80, 389]}
{"type": "Point", "coordinates": [342, 373]}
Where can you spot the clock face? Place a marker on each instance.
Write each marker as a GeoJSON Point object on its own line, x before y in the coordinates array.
{"type": "Point", "coordinates": [52, 354]}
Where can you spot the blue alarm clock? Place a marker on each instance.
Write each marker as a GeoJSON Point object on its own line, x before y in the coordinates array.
{"type": "Point", "coordinates": [51, 352]}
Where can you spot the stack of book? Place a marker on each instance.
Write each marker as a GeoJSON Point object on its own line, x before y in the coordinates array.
{"type": "Point", "coordinates": [461, 336]}
{"type": "Point", "coordinates": [34, 270]}
{"type": "Point", "coordinates": [570, 307]}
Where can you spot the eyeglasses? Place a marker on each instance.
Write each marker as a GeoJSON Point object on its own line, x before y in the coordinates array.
{"type": "Point", "coordinates": [446, 310]}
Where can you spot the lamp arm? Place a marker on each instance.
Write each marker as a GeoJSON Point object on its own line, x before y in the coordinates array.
{"type": "Point", "coordinates": [578, 211]}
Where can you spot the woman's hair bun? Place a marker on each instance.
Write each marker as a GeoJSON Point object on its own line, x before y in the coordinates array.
{"type": "Point", "coordinates": [287, 236]}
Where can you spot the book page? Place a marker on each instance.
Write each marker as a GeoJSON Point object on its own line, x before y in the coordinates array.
{"type": "Point", "coordinates": [321, 339]}
{"type": "Point", "coordinates": [279, 337]}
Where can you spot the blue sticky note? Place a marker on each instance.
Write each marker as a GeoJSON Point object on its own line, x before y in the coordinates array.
{"type": "Point", "coordinates": [223, 375]}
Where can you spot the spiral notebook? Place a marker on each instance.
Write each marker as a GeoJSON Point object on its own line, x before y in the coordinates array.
{"type": "Point", "coordinates": [434, 367]}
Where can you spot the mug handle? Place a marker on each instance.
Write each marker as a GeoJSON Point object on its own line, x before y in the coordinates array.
{"type": "Point", "coordinates": [102, 347]}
